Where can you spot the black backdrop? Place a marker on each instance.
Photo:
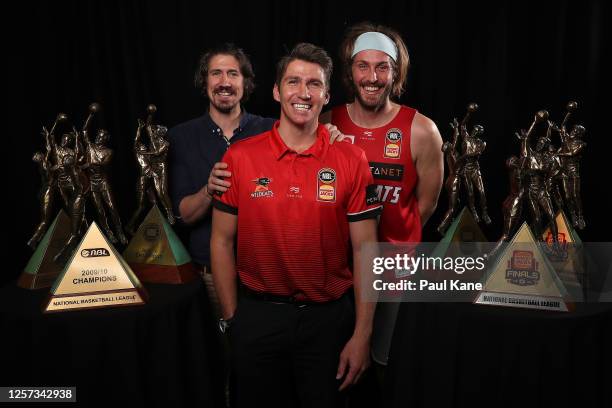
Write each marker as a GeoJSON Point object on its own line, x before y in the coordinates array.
{"type": "Point", "coordinates": [511, 57]}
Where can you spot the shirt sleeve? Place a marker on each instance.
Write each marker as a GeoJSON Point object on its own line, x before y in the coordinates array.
{"type": "Point", "coordinates": [181, 180]}
{"type": "Point", "coordinates": [228, 201]}
{"type": "Point", "coordinates": [363, 200]}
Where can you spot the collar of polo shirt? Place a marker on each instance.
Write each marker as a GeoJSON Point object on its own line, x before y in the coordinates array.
{"type": "Point", "coordinates": [318, 149]}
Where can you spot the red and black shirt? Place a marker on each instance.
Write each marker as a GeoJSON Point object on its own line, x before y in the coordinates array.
{"type": "Point", "coordinates": [293, 212]}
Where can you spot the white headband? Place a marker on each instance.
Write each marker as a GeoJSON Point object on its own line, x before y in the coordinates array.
{"type": "Point", "coordinates": [375, 41]}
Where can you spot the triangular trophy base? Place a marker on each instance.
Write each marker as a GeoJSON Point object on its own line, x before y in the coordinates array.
{"type": "Point", "coordinates": [96, 276]}
{"type": "Point", "coordinates": [524, 301]}
{"type": "Point", "coordinates": [94, 300]}
{"type": "Point", "coordinates": [41, 271]}
{"type": "Point", "coordinates": [523, 277]}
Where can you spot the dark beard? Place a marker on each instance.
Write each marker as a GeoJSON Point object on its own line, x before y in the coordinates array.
{"type": "Point", "coordinates": [223, 108]}
{"type": "Point", "coordinates": [370, 106]}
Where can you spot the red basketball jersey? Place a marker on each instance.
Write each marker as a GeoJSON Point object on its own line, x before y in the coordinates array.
{"type": "Point", "coordinates": [388, 151]}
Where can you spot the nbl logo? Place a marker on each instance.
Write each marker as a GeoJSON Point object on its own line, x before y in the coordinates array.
{"type": "Point", "coordinates": [326, 182]}
{"type": "Point", "coordinates": [94, 252]}
{"type": "Point", "coordinates": [393, 143]}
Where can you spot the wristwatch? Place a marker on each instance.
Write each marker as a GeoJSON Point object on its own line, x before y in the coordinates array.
{"type": "Point", "coordinates": [225, 324]}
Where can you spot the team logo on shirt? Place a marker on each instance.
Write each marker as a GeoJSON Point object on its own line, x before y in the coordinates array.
{"type": "Point", "coordinates": [326, 182]}
{"type": "Point", "coordinates": [393, 143]}
{"type": "Point", "coordinates": [261, 188]}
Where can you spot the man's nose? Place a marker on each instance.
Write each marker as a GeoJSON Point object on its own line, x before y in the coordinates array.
{"type": "Point", "coordinates": [372, 75]}
{"type": "Point", "coordinates": [303, 91]}
{"type": "Point", "coordinates": [225, 79]}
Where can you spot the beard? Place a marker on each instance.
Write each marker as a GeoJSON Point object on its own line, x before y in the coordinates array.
{"type": "Point", "coordinates": [224, 106]}
{"type": "Point", "coordinates": [372, 104]}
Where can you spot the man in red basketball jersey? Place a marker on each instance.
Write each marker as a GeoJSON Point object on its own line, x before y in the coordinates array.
{"type": "Point", "coordinates": [403, 146]}
{"type": "Point", "coordinates": [296, 200]}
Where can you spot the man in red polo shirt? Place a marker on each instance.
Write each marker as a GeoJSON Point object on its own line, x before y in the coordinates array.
{"type": "Point", "coordinates": [403, 146]}
{"type": "Point", "coordinates": [298, 333]}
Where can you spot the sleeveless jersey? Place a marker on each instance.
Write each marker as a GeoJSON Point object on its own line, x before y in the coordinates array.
{"type": "Point", "coordinates": [387, 149]}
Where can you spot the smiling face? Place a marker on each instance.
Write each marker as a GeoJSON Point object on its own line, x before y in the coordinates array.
{"type": "Point", "coordinates": [302, 93]}
{"type": "Point", "coordinates": [225, 83]}
{"type": "Point", "coordinates": [372, 73]}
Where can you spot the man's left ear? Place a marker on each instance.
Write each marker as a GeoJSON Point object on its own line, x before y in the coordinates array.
{"type": "Point", "coordinates": [326, 98]}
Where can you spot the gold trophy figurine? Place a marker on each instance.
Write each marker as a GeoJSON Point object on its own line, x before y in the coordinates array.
{"type": "Point", "coordinates": [570, 154]}
{"type": "Point", "coordinates": [463, 168]}
{"type": "Point", "coordinates": [97, 160]}
{"type": "Point", "coordinates": [72, 186]}
{"type": "Point", "coordinates": [153, 168]}
{"type": "Point", "coordinates": [536, 169]}
{"type": "Point", "coordinates": [472, 148]}
{"type": "Point", "coordinates": [453, 180]}
{"type": "Point", "coordinates": [48, 183]}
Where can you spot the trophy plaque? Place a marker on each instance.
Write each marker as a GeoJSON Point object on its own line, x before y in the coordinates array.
{"type": "Point", "coordinates": [156, 253]}
{"type": "Point", "coordinates": [95, 276]}
{"type": "Point", "coordinates": [41, 271]}
{"type": "Point", "coordinates": [523, 277]}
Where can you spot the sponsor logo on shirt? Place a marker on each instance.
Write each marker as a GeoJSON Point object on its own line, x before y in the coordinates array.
{"type": "Point", "coordinates": [372, 195]}
{"type": "Point", "coordinates": [386, 171]}
{"type": "Point", "coordinates": [393, 144]}
{"type": "Point", "coordinates": [326, 183]}
{"type": "Point", "coordinates": [261, 188]}
{"type": "Point", "coordinates": [294, 192]}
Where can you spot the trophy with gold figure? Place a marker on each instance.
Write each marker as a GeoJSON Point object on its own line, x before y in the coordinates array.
{"type": "Point", "coordinates": [521, 274]}
{"type": "Point", "coordinates": [155, 252]}
{"type": "Point", "coordinates": [564, 184]}
{"type": "Point", "coordinates": [462, 153]}
{"type": "Point", "coordinates": [462, 236]}
{"type": "Point", "coordinates": [49, 237]}
{"type": "Point", "coordinates": [79, 262]}
{"type": "Point", "coordinates": [96, 162]}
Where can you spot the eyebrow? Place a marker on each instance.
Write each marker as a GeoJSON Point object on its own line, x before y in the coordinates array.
{"type": "Point", "coordinates": [220, 70]}
{"type": "Point", "coordinates": [371, 62]}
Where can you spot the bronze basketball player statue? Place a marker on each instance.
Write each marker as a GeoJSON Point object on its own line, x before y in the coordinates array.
{"type": "Point", "coordinates": [464, 169]}
{"type": "Point", "coordinates": [48, 188]}
{"type": "Point", "coordinates": [97, 160]}
{"type": "Point", "coordinates": [570, 154]}
{"type": "Point", "coordinates": [153, 168]}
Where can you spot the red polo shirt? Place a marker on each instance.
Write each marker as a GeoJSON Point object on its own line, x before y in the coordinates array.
{"type": "Point", "coordinates": [293, 212]}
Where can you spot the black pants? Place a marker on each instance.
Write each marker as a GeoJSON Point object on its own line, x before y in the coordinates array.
{"type": "Point", "coordinates": [286, 355]}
